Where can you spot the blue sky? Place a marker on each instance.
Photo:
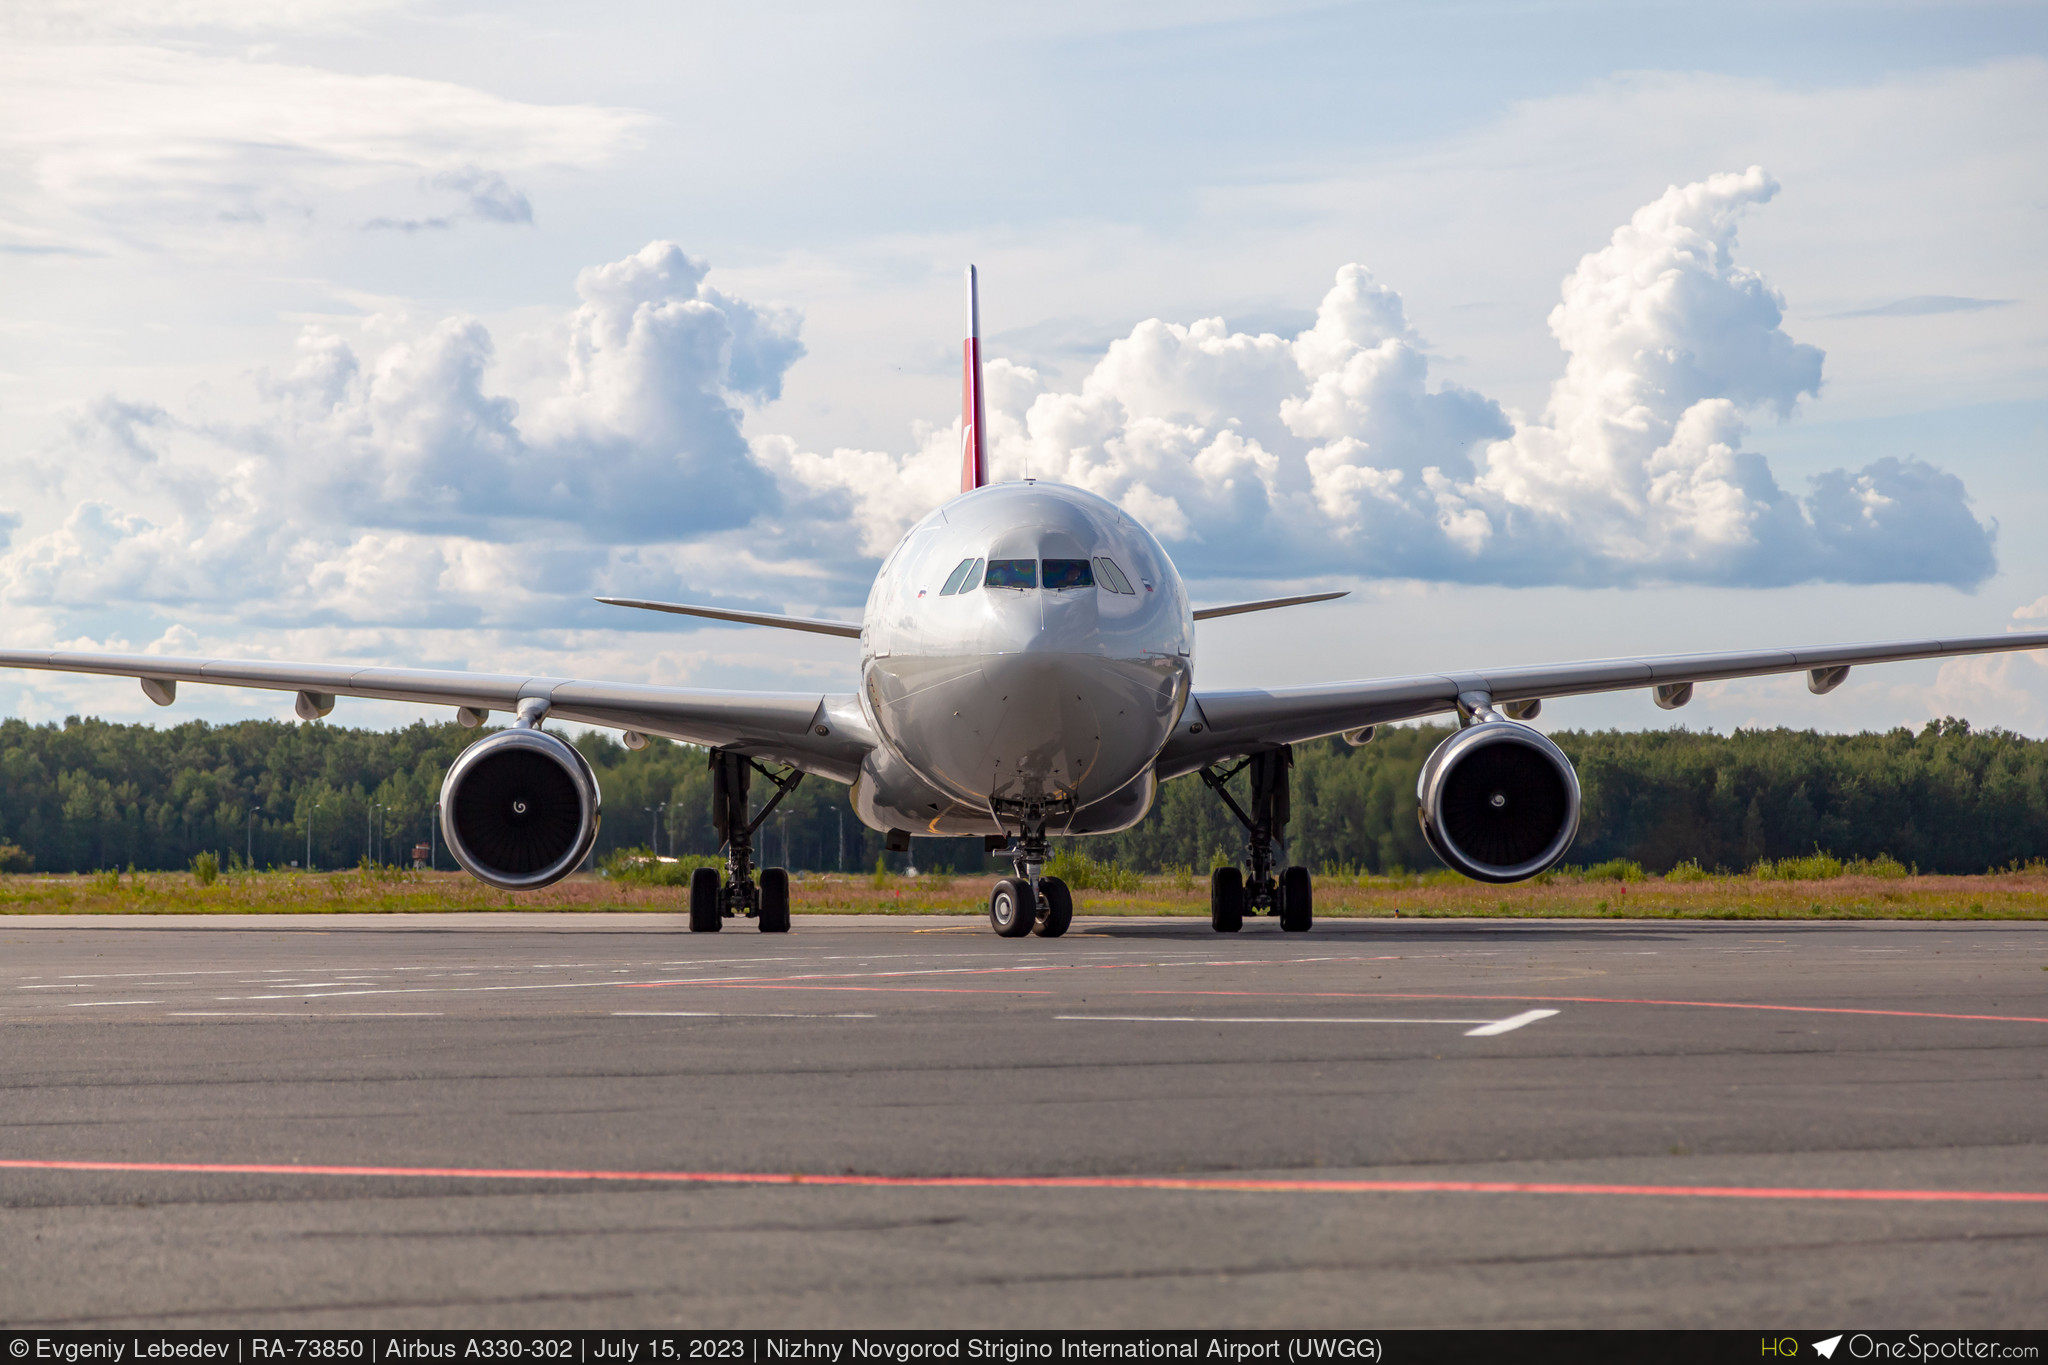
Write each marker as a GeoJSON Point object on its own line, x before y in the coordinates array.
{"type": "Point", "coordinates": [393, 332]}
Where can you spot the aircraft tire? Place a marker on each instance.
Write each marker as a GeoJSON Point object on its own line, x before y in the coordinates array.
{"type": "Point", "coordinates": [1226, 900]}
{"type": "Point", "coordinates": [774, 916]}
{"type": "Point", "coordinates": [1297, 903]}
{"type": "Point", "coordinates": [1058, 913]}
{"type": "Point", "coordinates": [707, 916]}
{"type": "Point", "coordinates": [1007, 913]}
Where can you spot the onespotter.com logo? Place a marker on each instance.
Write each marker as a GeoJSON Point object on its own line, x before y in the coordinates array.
{"type": "Point", "coordinates": [1909, 1346]}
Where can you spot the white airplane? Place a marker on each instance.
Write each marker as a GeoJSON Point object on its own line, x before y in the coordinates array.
{"type": "Point", "coordinates": [1027, 671]}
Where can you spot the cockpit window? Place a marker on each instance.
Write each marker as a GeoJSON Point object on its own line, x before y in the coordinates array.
{"type": "Point", "coordinates": [1012, 573]}
{"type": "Point", "coordinates": [1064, 574]}
{"type": "Point", "coordinates": [1111, 577]}
{"type": "Point", "coordinates": [963, 578]}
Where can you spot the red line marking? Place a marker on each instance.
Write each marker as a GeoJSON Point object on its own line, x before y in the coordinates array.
{"type": "Point", "coordinates": [1601, 1000]}
{"type": "Point", "coordinates": [1051, 1182]}
{"type": "Point", "coordinates": [782, 986]}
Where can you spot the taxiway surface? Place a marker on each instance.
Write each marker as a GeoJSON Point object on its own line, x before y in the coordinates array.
{"type": "Point", "coordinates": [1642, 1070]}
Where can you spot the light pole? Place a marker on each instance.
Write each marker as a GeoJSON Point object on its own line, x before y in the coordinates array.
{"type": "Point", "coordinates": [251, 853]}
{"type": "Point", "coordinates": [309, 835]}
{"type": "Point", "coordinates": [434, 840]}
{"type": "Point", "coordinates": [654, 827]}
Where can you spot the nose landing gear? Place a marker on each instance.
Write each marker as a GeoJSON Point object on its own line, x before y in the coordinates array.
{"type": "Point", "coordinates": [766, 902]}
{"type": "Point", "coordinates": [1008, 902]}
{"type": "Point", "coordinates": [1286, 894]}
{"type": "Point", "coordinates": [1030, 902]}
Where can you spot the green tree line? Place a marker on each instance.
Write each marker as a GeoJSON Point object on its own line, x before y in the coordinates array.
{"type": "Point", "coordinates": [88, 794]}
{"type": "Point", "coordinates": [1945, 798]}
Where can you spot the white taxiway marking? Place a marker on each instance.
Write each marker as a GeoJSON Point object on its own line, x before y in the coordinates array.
{"type": "Point", "coordinates": [1508, 1025]}
{"type": "Point", "coordinates": [1488, 1028]}
{"type": "Point", "coordinates": [89, 1004]}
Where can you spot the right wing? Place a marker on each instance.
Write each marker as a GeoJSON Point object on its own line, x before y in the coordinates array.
{"type": "Point", "coordinates": [819, 733]}
{"type": "Point", "coordinates": [1240, 608]}
{"type": "Point", "coordinates": [1218, 725]}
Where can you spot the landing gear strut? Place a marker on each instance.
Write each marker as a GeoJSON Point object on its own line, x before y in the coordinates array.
{"type": "Point", "coordinates": [1256, 888]}
{"type": "Point", "coordinates": [1030, 902]}
{"type": "Point", "coordinates": [767, 902]}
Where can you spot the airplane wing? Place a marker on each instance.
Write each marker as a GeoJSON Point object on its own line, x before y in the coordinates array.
{"type": "Point", "coordinates": [1218, 725]}
{"type": "Point", "coordinates": [821, 733]}
{"type": "Point", "coordinates": [817, 625]}
{"type": "Point", "coordinates": [1240, 608]}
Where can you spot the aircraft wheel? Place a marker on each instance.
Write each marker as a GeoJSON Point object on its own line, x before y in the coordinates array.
{"type": "Point", "coordinates": [1297, 906]}
{"type": "Point", "coordinates": [707, 916]}
{"type": "Point", "coordinates": [1008, 913]}
{"type": "Point", "coordinates": [774, 915]}
{"type": "Point", "coordinates": [1226, 900]}
{"type": "Point", "coordinates": [1057, 912]}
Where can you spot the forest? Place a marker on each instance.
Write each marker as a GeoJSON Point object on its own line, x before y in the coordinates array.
{"type": "Point", "coordinates": [87, 795]}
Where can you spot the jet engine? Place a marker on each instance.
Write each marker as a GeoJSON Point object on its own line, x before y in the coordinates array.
{"type": "Point", "coordinates": [1499, 801]}
{"type": "Point", "coordinates": [520, 809]}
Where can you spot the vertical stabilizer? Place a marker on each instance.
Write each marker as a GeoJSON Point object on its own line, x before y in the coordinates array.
{"type": "Point", "coordinates": [973, 412]}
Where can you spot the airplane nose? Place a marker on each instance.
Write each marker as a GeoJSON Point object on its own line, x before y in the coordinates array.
{"type": "Point", "coordinates": [1051, 722]}
{"type": "Point", "coordinates": [1040, 622]}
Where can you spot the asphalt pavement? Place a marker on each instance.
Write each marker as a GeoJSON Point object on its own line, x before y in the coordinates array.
{"type": "Point", "coordinates": [567, 1120]}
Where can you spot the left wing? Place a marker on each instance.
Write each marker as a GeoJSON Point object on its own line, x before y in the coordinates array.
{"type": "Point", "coordinates": [817, 625]}
{"type": "Point", "coordinates": [1218, 725]}
{"type": "Point", "coordinates": [820, 733]}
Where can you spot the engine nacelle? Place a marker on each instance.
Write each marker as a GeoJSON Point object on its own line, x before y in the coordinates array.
{"type": "Point", "coordinates": [1499, 801]}
{"type": "Point", "coordinates": [520, 809]}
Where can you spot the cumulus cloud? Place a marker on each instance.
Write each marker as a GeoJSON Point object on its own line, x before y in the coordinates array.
{"type": "Point", "coordinates": [638, 439]}
{"type": "Point", "coordinates": [385, 477]}
{"type": "Point", "coordinates": [1335, 452]}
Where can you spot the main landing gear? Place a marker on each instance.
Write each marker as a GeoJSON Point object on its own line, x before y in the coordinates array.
{"type": "Point", "coordinates": [1030, 902]}
{"type": "Point", "coordinates": [1257, 889]}
{"type": "Point", "coordinates": [767, 901]}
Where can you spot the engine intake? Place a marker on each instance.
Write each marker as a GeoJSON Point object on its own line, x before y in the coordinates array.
{"type": "Point", "coordinates": [1499, 801]}
{"type": "Point", "coordinates": [520, 809]}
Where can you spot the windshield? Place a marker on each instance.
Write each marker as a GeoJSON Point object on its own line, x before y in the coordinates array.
{"type": "Point", "coordinates": [1112, 577]}
{"type": "Point", "coordinates": [964, 577]}
{"type": "Point", "coordinates": [1062, 574]}
{"type": "Point", "coordinates": [1012, 573]}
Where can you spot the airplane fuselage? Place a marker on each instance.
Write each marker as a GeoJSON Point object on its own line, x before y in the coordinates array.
{"type": "Point", "coordinates": [1027, 645]}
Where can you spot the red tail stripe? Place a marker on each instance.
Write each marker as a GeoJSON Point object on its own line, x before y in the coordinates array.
{"type": "Point", "coordinates": [973, 410]}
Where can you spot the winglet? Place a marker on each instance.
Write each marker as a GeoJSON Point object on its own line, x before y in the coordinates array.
{"type": "Point", "coordinates": [973, 411]}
